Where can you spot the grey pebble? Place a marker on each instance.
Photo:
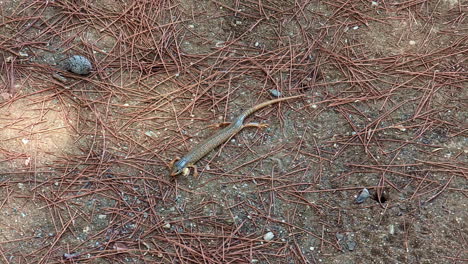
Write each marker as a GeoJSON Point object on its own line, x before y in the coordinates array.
{"type": "Point", "coordinates": [339, 236]}
{"type": "Point", "coordinates": [77, 64]}
{"type": "Point", "coordinates": [351, 245]}
{"type": "Point", "coordinates": [275, 92]}
{"type": "Point", "coordinates": [363, 196]}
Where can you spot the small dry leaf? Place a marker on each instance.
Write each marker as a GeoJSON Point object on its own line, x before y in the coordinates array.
{"type": "Point", "coordinates": [400, 127]}
{"type": "Point", "coordinates": [5, 96]}
{"type": "Point", "coordinates": [148, 246]}
{"type": "Point", "coordinates": [120, 246]}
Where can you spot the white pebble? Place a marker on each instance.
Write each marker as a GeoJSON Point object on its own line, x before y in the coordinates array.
{"type": "Point", "coordinates": [101, 216]}
{"type": "Point", "coordinates": [268, 236]}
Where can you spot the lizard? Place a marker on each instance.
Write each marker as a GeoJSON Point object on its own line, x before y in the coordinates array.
{"type": "Point", "coordinates": [181, 165]}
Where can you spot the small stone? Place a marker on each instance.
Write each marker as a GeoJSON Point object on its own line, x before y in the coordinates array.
{"type": "Point", "coordinates": [101, 216]}
{"type": "Point", "coordinates": [374, 3]}
{"type": "Point", "coordinates": [363, 196]}
{"type": "Point", "coordinates": [275, 93]}
{"type": "Point", "coordinates": [77, 64]}
{"type": "Point", "coordinates": [355, 27]}
{"type": "Point", "coordinates": [21, 186]}
{"type": "Point", "coordinates": [339, 236]}
{"type": "Point", "coordinates": [167, 226]}
{"type": "Point", "coordinates": [412, 42]}
{"type": "Point", "coordinates": [69, 256]}
{"type": "Point", "coordinates": [268, 236]}
{"type": "Point", "coordinates": [150, 133]}
{"type": "Point", "coordinates": [351, 245]}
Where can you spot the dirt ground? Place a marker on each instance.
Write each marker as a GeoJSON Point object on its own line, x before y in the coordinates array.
{"type": "Point", "coordinates": [84, 160]}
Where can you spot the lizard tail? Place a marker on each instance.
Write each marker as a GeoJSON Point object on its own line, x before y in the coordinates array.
{"type": "Point", "coordinates": [250, 111]}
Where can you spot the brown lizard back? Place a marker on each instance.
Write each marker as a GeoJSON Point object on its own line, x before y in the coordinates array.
{"type": "Point", "coordinates": [203, 148]}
